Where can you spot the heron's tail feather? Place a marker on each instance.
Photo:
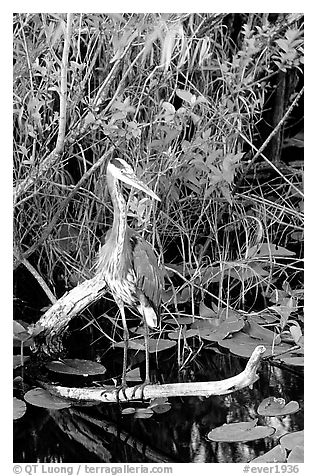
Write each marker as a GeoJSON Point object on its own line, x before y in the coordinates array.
{"type": "Point", "coordinates": [148, 313]}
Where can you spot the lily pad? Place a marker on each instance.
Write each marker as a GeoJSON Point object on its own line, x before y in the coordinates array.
{"type": "Point", "coordinates": [155, 345]}
{"type": "Point", "coordinates": [275, 455]}
{"type": "Point", "coordinates": [290, 440]}
{"type": "Point", "coordinates": [296, 455]}
{"type": "Point", "coordinates": [206, 324]}
{"type": "Point", "coordinates": [272, 406]}
{"type": "Point", "coordinates": [134, 375]}
{"type": "Point", "coordinates": [161, 408]}
{"type": "Point", "coordinates": [205, 311]}
{"type": "Point", "coordinates": [143, 413]}
{"type": "Point", "coordinates": [128, 411]}
{"type": "Point", "coordinates": [225, 328]}
{"type": "Point", "coordinates": [18, 361]}
{"type": "Point", "coordinates": [180, 321]}
{"type": "Point", "coordinates": [76, 367]}
{"type": "Point", "coordinates": [244, 342]}
{"type": "Point", "coordinates": [160, 405]}
{"type": "Point", "coordinates": [42, 398]}
{"type": "Point", "coordinates": [244, 431]}
{"type": "Point", "coordinates": [183, 333]}
{"type": "Point", "coordinates": [20, 332]}
{"type": "Point", "coordinates": [19, 408]}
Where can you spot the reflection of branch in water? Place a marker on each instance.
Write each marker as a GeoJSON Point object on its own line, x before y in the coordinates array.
{"type": "Point", "coordinates": [109, 394]}
{"type": "Point", "coordinates": [79, 431]}
{"type": "Point", "coordinates": [77, 425]}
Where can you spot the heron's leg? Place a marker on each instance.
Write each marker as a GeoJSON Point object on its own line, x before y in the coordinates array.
{"type": "Point", "coordinates": [147, 354]}
{"type": "Point", "coordinates": [147, 380]}
{"type": "Point", "coordinates": [123, 385]}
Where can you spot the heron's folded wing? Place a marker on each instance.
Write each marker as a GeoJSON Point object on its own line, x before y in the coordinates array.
{"type": "Point", "coordinates": [149, 275]}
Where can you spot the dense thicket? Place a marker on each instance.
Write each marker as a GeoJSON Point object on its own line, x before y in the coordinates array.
{"type": "Point", "coordinates": [208, 110]}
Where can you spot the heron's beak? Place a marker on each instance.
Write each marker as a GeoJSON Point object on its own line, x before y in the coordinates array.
{"type": "Point", "coordinates": [131, 179]}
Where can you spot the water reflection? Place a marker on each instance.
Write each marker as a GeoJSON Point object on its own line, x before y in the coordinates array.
{"type": "Point", "coordinates": [102, 434]}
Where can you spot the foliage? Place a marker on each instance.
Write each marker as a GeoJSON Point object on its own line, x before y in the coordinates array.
{"type": "Point", "coordinates": [183, 98]}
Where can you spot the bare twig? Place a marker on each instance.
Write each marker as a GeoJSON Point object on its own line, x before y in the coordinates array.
{"type": "Point", "coordinates": [40, 280]}
{"type": "Point", "coordinates": [63, 89]}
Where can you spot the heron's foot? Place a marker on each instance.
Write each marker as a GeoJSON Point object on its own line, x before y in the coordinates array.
{"type": "Point", "coordinates": [122, 388]}
{"type": "Point", "coordinates": [140, 388]}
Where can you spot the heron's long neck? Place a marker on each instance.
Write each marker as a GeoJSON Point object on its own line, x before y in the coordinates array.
{"type": "Point", "coordinates": [119, 211]}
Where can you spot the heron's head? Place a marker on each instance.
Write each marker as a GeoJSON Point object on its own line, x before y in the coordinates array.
{"type": "Point", "coordinates": [122, 171]}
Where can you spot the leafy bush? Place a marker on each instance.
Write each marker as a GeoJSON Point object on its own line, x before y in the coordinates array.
{"type": "Point", "coordinates": [186, 99]}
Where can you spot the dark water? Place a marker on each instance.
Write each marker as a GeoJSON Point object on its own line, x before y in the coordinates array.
{"type": "Point", "coordinates": [101, 434]}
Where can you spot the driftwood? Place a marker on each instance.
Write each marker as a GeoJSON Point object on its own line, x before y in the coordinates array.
{"type": "Point", "coordinates": [57, 317]}
{"type": "Point", "coordinates": [110, 394]}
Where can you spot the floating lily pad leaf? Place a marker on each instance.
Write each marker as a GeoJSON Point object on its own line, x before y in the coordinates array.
{"type": "Point", "coordinates": [224, 329]}
{"type": "Point", "coordinates": [181, 297]}
{"type": "Point", "coordinates": [183, 333]}
{"type": "Point", "coordinates": [296, 455]}
{"type": "Point", "coordinates": [275, 455]}
{"type": "Point", "coordinates": [143, 413]}
{"type": "Point", "coordinates": [272, 406]}
{"type": "Point", "coordinates": [158, 401]}
{"type": "Point", "coordinates": [180, 321]}
{"type": "Point", "coordinates": [296, 361]}
{"type": "Point", "coordinates": [134, 375]}
{"type": "Point", "coordinates": [42, 398]}
{"type": "Point", "coordinates": [161, 407]}
{"type": "Point", "coordinates": [260, 333]}
{"type": "Point", "coordinates": [18, 383]}
{"type": "Point", "coordinates": [138, 330]}
{"type": "Point", "coordinates": [18, 362]}
{"type": "Point", "coordinates": [128, 411]}
{"type": "Point", "coordinates": [243, 345]}
{"type": "Point", "coordinates": [205, 311]}
{"type": "Point", "coordinates": [228, 315]}
{"type": "Point", "coordinates": [290, 440]}
{"type": "Point", "coordinates": [244, 431]}
{"type": "Point", "coordinates": [210, 324]}
{"type": "Point", "coordinates": [155, 345]}
{"type": "Point", "coordinates": [264, 318]}
{"type": "Point", "coordinates": [19, 408]}
{"type": "Point", "coordinates": [26, 343]}
{"type": "Point", "coordinates": [20, 332]}
{"type": "Point", "coordinates": [18, 328]}
{"type": "Point", "coordinates": [76, 367]}
{"type": "Point", "coordinates": [270, 250]}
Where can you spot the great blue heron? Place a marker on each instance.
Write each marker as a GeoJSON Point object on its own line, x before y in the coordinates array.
{"type": "Point", "coordinates": [128, 262]}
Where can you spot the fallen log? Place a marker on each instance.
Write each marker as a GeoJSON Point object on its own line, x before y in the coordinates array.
{"type": "Point", "coordinates": [110, 394]}
{"type": "Point", "coordinates": [55, 320]}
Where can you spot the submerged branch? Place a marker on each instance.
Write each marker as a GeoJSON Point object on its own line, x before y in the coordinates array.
{"type": "Point", "coordinates": [109, 394]}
